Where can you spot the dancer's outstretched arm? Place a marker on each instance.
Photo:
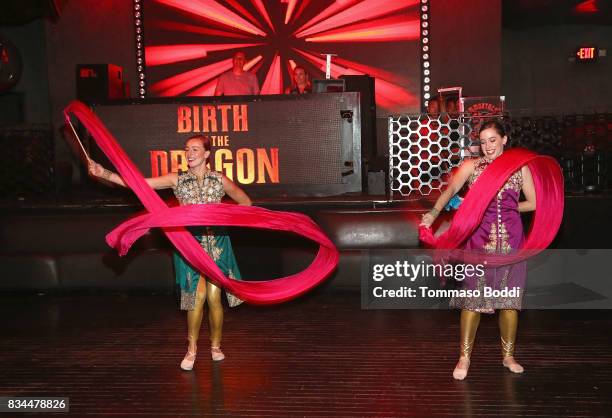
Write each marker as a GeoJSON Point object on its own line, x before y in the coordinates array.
{"type": "Point", "coordinates": [162, 182]}
{"type": "Point", "coordinates": [456, 183]}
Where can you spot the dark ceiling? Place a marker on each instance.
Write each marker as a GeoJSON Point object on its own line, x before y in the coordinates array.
{"type": "Point", "coordinates": [19, 12]}
{"type": "Point", "coordinates": [518, 14]}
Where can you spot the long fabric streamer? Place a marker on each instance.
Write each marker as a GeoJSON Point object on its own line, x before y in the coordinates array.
{"type": "Point", "coordinates": [173, 220]}
{"type": "Point", "coordinates": [548, 182]}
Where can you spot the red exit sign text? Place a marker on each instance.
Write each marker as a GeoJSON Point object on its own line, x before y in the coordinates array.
{"type": "Point", "coordinates": [586, 54]}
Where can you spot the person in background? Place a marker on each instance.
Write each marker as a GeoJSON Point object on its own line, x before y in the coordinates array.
{"type": "Point", "coordinates": [433, 107]}
{"type": "Point", "coordinates": [237, 82]}
{"type": "Point", "coordinates": [300, 82]}
{"type": "Point", "coordinates": [451, 106]}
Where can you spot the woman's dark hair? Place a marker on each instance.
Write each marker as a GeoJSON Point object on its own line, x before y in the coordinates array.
{"type": "Point", "coordinates": [495, 124]}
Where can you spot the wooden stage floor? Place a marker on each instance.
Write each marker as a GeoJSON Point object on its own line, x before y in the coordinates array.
{"type": "Point", "coordinates": [116, 354]}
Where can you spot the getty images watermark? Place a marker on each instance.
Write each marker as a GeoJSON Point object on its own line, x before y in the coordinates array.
{"type": "Point", "coordinates": [431, 279]}
{"type": "Point", "coordinates": [412, 272]}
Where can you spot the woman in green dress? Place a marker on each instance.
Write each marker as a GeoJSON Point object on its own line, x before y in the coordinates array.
{"type": "Point", "coordinates": [198, 185]}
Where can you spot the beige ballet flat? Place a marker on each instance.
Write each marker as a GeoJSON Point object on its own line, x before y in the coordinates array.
{"type": "Point", "coordinates": [187, 363]}
{"type": "Point", "coordinates": [511, 364]}
{"type": "Point", "coordinates": [216, 353]}
{"type": "Point", "coordinates": [461, 369]}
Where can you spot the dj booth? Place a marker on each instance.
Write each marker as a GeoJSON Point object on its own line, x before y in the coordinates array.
{"type": "Point", "coordinates": [272, 146]}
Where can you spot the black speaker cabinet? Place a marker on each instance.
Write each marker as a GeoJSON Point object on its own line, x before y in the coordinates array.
{"type": "Point", "coordinates": [365, 85]}
{"type": "Point", "coordinates": [11, 108]}
{"type": "Point", "coordinates": [99, 82]}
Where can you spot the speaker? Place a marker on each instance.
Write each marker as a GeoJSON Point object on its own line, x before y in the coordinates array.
{"type": "Point", "coordinates": [11, 108]}
{"type": "Point", "coordinates": [364, 84]}
{"type": "Point", "coordinates": [26, 161]}
{"type": "Point", "coordinates": [99, 82]}
{"type": "Point", "coordinates": [328, 86]}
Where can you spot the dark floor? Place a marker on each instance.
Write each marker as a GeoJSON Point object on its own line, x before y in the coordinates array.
{"type": "Point", "coordinates": [319, 356]}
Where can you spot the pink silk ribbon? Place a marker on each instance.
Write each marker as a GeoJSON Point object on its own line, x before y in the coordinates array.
{"type": "Point", "coordinates": [548, 183]}
{"type": "Point", "coordinates": [172, 221]}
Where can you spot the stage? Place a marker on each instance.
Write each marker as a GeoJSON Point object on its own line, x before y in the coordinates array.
{"type": "Point", "coordinates": [119, 353]}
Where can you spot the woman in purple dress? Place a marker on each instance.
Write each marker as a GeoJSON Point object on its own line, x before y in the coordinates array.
{"type": "Point", "coordinates": [500, 232]}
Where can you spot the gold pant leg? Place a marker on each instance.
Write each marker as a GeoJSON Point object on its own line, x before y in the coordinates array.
{"type": "Point", "coordinates": [215, 313]}
{"type": "Point", "coordinates": [194, 317]}
{"type": "Point", "coordinates": [508, 324]}
{"type": "Point", "coordinates": [469, 325]}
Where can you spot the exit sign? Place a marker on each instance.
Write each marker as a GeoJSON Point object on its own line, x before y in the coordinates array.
{"type": "Point", "coordinates": [588, 53]}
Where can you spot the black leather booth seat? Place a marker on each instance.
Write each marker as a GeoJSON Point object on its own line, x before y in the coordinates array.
{"type": "Point", "coordinates": [64, 249]}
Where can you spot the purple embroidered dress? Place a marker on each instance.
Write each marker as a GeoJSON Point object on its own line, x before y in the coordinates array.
{"type": "Point", "coordinates": [500, 232]}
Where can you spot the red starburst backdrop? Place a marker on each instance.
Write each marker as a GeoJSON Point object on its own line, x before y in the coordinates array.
{"type": "Point", "coordinates": [188, 44]}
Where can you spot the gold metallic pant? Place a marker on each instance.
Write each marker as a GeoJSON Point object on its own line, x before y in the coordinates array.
{"type": "Point", "coordinates": [206, 292]}
{"type": "Point", "coordinates": [508, 324]}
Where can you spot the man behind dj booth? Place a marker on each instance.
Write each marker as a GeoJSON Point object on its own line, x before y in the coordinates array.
{"type": "Point", "coordinates": [237, 82]}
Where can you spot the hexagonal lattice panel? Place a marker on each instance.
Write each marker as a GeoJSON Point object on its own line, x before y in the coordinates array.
{"type": "Point", "coordinates": [423, 149]}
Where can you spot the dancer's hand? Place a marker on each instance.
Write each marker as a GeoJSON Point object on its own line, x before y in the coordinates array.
{"type": "Point", "coordinates": [96, 170]}
{"type": "Point", "coordinates": [427, 220]}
